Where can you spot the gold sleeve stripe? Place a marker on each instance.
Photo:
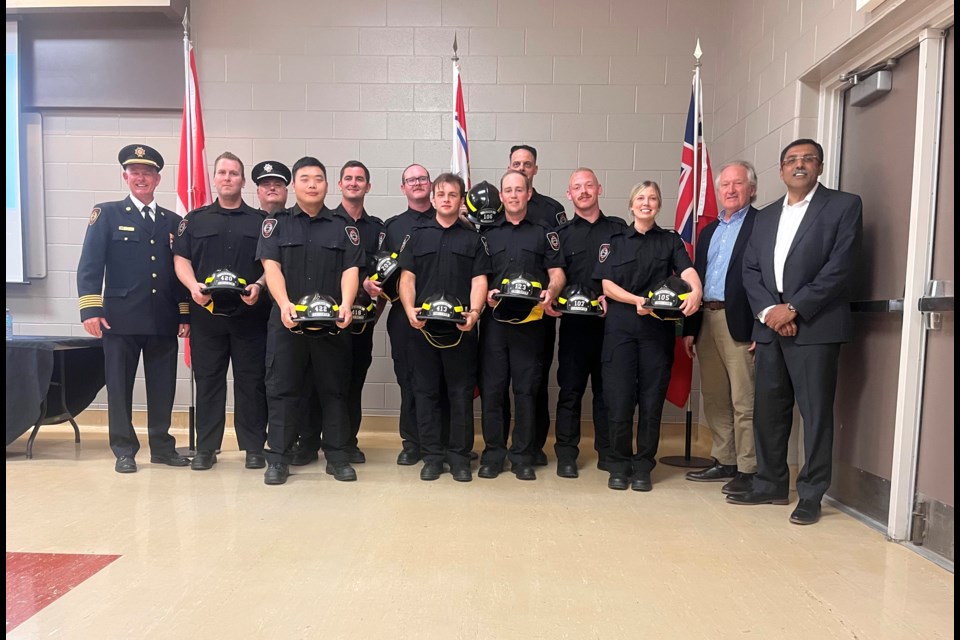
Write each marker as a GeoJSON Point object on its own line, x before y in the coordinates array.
{"type": "Point", "coordinates": [184, 308]}
{"type": "Point", "coordinates": [91, 301]}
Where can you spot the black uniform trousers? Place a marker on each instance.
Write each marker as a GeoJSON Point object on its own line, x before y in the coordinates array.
{"type": "Point", "coordinates": [402, 336]}
{"type": "Point", "coordinates": [450, 372]}
{"type": "Point", "coordinates": [509, 353]}
{"type": "Point", "coordinates": [637, 357]}
{"type": "Point", "coordinates": [581, 343]}
{"type": "Point", "coordinates": [289, 357]}
{"type": "Point", "coordinates": [121, 354]}
{"type": "Point", "coordinates": [215, 343]}
{"type": "Point", "coordinates": [786, 370]}
{"type": "Point", "coordinates": [543, 393]}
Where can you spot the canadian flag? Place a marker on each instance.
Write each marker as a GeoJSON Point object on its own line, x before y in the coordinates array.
{"type": "Point", "coordinates": [193, 181]}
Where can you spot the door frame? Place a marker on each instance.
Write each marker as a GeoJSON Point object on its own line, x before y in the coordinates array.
{"type": "Point", "coordinates": [884, 39]}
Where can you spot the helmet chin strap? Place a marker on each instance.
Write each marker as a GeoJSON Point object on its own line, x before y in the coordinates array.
{"type": "Point", "coordinates": [434, 341]}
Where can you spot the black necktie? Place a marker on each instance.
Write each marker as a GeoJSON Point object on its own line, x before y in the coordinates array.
{"type": "Point", "coordinates": [148, 219]}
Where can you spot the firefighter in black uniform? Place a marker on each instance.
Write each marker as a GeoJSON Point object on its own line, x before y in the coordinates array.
{"type": "Point", "coordinates": [445, 256]}
{"type": "Point", "coordinates": [544, 209]}
{"type": "Point", "coordinates": [224, 235]}
{"type": "Point", "coordinates": [515, 351]}
{"type": "Point", "coordinates": [140, 308]}
{"type": "Point", "coordinates": [581, 338]}
{"type": "Point", "coordinates": [415, 185]}
{"type": "Point", "coordinates": [307, 249]}
{"type": "Point", "coordinates": [637, 347]}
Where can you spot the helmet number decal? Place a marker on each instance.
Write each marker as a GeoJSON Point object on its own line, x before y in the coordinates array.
{"type": "Point", "coordinates": [604, 252]}
{"type": "Point", "coordinates": [554, 240]}
{"type": "Point", "coordinates": [268, 226]}
{"type": "Point", "coordinates": [181, 228]}
{"type": "Point", "coordinates": [353, 235]}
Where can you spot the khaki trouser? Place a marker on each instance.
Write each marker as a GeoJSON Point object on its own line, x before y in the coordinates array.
{"type": "Point", "coordinates": [727, 383]}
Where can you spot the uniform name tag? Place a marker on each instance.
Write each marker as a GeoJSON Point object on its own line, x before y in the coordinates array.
{"type": "Point", "coordinates": [127, 228]}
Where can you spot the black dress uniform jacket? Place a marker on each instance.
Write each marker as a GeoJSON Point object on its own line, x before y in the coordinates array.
{"type": "Point", "coordinates": [529, 246]}
{"type": "Point", "coordinates": [581, 241]}
{"type": "Point", "coordinates": [546, 210]}
{"type": "Point", "coordinates": [445, 259]}
{"type": "Point", "coordinates": [372, 234]}
{"type": "Point", "coordinates": [141, 294]}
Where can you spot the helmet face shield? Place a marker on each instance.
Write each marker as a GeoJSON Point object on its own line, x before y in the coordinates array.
{"type": "Point", "coordinates": [483, 204]}
{"type": "Point", "coordinates": [664, 300]}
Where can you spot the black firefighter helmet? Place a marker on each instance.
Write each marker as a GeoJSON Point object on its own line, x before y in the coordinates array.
{"type": "Point", "coordinates": [483, 204]}
{"type": "Point", "coordinates": [225, 289]}
{"type": "Point", "coordinates": [317, 313]}
{"type": "Point", "coordinates": [442, 314]}
{"type": "Point", "coordinates": [364, 311]}
{"type": "Point", "coordinates": [664, 300]}
{"type": "Point", "coordinates": [385, 271]}
{"type": "Point", "coordinates": [518, 300]}
{"type": "Point", "coordinates": [576, 300]}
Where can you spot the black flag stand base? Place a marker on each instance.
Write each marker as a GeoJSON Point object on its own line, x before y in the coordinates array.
{"type": "Point", "coordinates": [686, 460]}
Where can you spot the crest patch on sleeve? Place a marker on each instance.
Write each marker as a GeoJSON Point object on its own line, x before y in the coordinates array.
{"type": "Point", "coordinates": [404, 243]}
{"type": "Point", "coordinates": [604, 252]}
{"type": "Point", "coordinates": [380, 239]}
{"type": "Point", "coordinates": [266, 229]}
{"type": "Point", "coordinates": [181, 228]}
{"type": "Point", "coordinates": [554, 240]}
{"type": "Point", "coordinates": [354, 235]}
{"type": "Point", "coordinates": [94, 215]}
{"type": "Point", "coordinates": [561, 217]}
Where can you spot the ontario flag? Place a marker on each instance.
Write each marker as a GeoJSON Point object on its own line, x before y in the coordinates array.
{"type": "Point", "coordinates": [696, 208]}
{"type": "Point", "coordinates": [193, 181]}
{"type": "Point", "coordinates": [460, 157]}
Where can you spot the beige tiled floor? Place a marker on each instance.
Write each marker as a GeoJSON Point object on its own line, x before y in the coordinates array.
{"type": "Point", "coordinates": [218, 554]}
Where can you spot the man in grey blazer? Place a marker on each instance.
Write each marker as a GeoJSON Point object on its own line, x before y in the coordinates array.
{"type": "Point", "coordinates": [797, 274]}
{"type": "Point", "coordinates": [722, 331]}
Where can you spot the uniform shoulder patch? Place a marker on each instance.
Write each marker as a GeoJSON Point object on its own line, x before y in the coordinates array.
{"type": "Point", "coordinates": [181, 228]}
{"type": "Point", "coordinates": [380, 239]}
{"type": "Point", "coordinates": [554, 240]}
{"type": "Point", "coordinates": [353, 234]}
{"type": "Point", "coordinates": [604, 252]}
{"type": "Point", "coordinates": [561, 217]}
{"type": "Point", "coordinates": [403, 244]}
{"type": "Point", "coordinates": [267, 227]}
{"type": "Point", "coordinates": [94, 215]}
{"type": "Point", "coordinates": [486, 247]}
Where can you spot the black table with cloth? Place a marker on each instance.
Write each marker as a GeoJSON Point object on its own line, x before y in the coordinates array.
{"type": "Point", "coordinates": [50, 380]}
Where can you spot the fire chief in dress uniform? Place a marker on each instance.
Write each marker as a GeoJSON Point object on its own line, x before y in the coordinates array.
{"type": "Point", "coordinates": [130, 295]}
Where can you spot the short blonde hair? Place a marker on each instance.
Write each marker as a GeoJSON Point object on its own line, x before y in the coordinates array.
{"type": "Point", "coordinates": [640, 186]}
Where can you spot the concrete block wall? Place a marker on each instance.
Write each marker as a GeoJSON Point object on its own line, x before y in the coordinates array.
{"type": "Point", "coordinates": [604, 84]}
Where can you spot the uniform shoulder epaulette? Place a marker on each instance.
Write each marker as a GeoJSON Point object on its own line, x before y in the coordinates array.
{"type": "Point", "coordinates": [376, 220]}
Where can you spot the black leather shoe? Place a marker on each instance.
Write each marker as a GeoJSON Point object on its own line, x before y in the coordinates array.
{"type": "Point", "coordinates": [303, 457]}
{"type": "Point", "coordinates": [618, 482]}
{"type": "Point", "coordinates": [276, 473]}
{"type": "Point", "coordinates": [431, 470]}
{"type": "Point", "coordinates": [741, 484]}
{"type": "Point", "coordinates": [717, 473]}
{"type": "Point", "coordinates": [489, 471]}
{"type": "Point", "coordinates": [603, 465]}
{"type": "Point", "coordinates": [754, 497]}
{"type": "Point", "coordinates": [539, 458]}
{"type": "Point", "coordinates": [524, 472]}
{"type": "Point", "coordinates": [461, 474]}
{"type": "Point", "coordinates": [408, 458]}
{"type": "Point", "coordinates": [342, 471]}
{"type": "Point", "coordinates": [567, 469]}
{"type": "Point", "coordinates": [807, 512]}
{"type": "Point", "coordinates": [125, 464]}
{"type": "Point", "coordinates": [255, 460]}
{"type": "Point", "coordinates": [203, 460]}
{"type": "Point", "coordinates": [642, 481]}
{"type": "Point", "coordinates": [356, 456]}
{"type": "Point", "coordinates": [170, 459]}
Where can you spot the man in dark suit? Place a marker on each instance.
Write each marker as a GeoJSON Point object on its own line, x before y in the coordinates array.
{"type": "Point", "coordinates": [721, 330]}
{"type": "Point", "coordinates": [142, 308]}
{"type": "Point", "coordinates": [796, 272]}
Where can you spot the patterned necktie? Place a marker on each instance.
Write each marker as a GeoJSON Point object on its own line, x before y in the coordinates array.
{"type": "Point", "coordinates": [148, 220]}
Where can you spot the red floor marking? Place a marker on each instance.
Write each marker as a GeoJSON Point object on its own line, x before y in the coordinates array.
{"type": "Point", "coordinates": [34, 580]}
